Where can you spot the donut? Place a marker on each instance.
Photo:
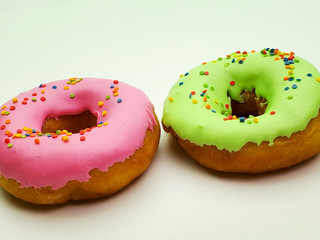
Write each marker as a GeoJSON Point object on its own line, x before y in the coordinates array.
{"type": "Point", "coordinates": [248, 112]}
{"type": "Point", "coordinates": [75, 139]}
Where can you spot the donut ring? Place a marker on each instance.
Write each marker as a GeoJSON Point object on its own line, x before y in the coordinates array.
{"type": "Point", "coordinates": [75, 139]}
{"type": "Point", "coordinates": [248, 112]}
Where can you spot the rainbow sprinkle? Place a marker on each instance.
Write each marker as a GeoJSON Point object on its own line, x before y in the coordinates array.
{"type": "Point", "coordinates": [288, 59]}
{"type": "Point", "coordinates": [25, 132]}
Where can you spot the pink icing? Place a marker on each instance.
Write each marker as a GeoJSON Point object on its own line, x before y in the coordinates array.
{"type": "Point", "coordinates": [54, 162]}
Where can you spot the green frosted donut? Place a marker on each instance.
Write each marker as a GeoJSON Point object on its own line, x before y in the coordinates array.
{"type": "Point", "coordinates": [198, 107]}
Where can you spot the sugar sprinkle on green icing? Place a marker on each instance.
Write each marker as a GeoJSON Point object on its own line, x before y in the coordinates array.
{"type": "Point", "coordinates": [275, 75]}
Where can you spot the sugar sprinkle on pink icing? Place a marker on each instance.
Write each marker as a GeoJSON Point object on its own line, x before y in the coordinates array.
{"type": "Point", "coordinates": [52, 159]}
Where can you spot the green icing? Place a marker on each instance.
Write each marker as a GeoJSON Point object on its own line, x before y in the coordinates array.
{"type": "Point", "coordinates": [200, 108]}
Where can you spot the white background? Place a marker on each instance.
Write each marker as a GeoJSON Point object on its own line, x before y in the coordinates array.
{"type": "Point", "coordinates": [148, 44]}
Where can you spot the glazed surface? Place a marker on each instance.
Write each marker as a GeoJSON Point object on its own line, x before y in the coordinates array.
{"type": "Point", "coordinates": [198, 107]}
{"type": "Point", "coordinates": [124, 113]}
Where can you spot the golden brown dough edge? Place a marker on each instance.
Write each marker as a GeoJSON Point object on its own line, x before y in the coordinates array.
{"type": "Point", "coordinates": [253, 158]}
{"type": "Point", "coordinates": [100, 183]}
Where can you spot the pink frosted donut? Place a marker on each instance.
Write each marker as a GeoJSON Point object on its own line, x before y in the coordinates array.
{"type": "Point", "coordinates": [54, 167]}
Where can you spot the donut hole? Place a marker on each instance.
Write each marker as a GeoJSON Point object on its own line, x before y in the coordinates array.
{"type": "Point", "coordinates": [252, 105]}
{"type": "Point", "coordinates": [71, 123]}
